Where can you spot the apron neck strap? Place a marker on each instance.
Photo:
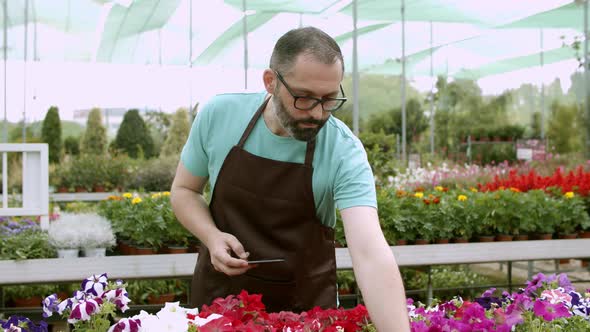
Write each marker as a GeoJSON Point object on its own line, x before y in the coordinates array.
{"type": "Point", "coordinates": [310, 144]}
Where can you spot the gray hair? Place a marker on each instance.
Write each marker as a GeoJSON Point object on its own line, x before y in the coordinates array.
{"type": "Point", "coordinates": [308, 40]}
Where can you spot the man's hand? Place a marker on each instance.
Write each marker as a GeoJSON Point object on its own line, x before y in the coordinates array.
{"type": "Point", "coordinates": [220, 247]}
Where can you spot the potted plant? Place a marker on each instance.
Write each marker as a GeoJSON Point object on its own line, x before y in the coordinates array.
{"type": "Point", "coordinates": [96, 235]}
{"type": "Point", "coordinates": [28, 296]}
{"type": "Point", "coordinates": [148, 225]}
{"type": "Point", "coordinates": [23, 239]}
{"type": "Point", "coordinates": [65, 235]}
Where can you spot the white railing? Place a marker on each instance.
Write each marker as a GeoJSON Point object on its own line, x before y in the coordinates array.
{"type": "Point", "coordinates": [35, 181]}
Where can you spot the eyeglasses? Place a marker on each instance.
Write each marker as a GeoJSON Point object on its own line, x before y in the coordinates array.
{"type": "Point", "coordinates": [306, 103]}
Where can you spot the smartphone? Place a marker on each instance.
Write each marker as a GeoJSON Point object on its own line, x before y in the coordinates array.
{"type": "Point", "coordinates": [271, 260]}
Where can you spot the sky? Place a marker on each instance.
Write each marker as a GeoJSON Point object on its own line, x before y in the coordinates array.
{"type": "Point", "coordinates": [73, 86]}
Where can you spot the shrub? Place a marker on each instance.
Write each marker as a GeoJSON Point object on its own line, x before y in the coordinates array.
{"type": "Point", "coordinates": [94, 140]}
{"type": "Point", "coordinates": [133, 137]}
{"type": "Point", "coordinates": [51, 134]}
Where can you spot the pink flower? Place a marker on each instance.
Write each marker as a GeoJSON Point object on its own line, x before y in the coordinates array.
{"type": "Point", "coordinates": [550, 311]}
{"type": "Point", "coordinates": [84, 309]}
{"type": "Point", "coordinates": [126, 325]}
{"type": "Point", "coordinates": [556, 296]}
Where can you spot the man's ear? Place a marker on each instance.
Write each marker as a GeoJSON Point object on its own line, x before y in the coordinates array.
{"type": "Point", "coordinates": [269, 79]}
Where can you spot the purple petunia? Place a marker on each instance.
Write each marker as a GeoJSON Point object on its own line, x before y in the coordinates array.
{"type": "Point", "coordinates": [94, 284]}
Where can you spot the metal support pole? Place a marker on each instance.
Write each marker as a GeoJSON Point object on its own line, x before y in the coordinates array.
{"type": "Point", "coordinates": [245, 34]}
{"type": "Point", "coordinates": [25, 71]}
{"type": "Point", "coordinates": [403, 84]}
{"type": "Point", "coordinates": [542, 90]}
{"type": "Point", "coordinates": [509, 272]}
{"type": "Point", "coordinates": [5, 53]}
{"type": "Point", "coordinates": [190, 58]}
{"type": "Point", "coordinates": [429, 291]}
{"type": "Point", "coordinates": [431, 94]}
{"type": "Point", "coordinates": [586, 79]}
{"type": "Point", "coordinates": [355, 74]}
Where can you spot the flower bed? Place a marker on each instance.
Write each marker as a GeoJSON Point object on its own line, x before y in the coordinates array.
{"type": "Point", "coordinates": [547, 303]}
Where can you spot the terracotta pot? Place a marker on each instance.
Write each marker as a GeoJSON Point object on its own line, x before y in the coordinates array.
{"type": "Point", "coordinates": [344, 291]}
{"type": "Point", "coordinates": [486, 238]}
{"type": "Point", "coordinates": [401, 242]}
{"type": "Point", "coordinates": [504, 237]}
{"type": "Point", "coordinates": [161, 299]}
{"type": "Point", "coordinates": [521, 237]}
{"type": "Point", "coordinates": [99, 189]}
{"type": "Point", "coordinates": [125, 248]}
{"type": "Point", "coordinates": [31, 302]}
{"type": "Point", "coordinates": [63, 190]}
{"type": "Point", "coordinates": [441, 241]}
{"type": "Point", "coordinates": [585, 262]}
{"type": "Point", "coordinates": [81, 190]}
{"type": "Point", "coordinates": [145, 251]}
{"type": "Point", "coordinates": [421, 241]}
{"type": "Point", "coordinates": [176, 250]}
{"type": "Point", "coordinates": [568, 236]}
{"type": "Point", "coordinates": [564, 261]}
{"type": "Point", "coordinates": [584, 234]}
{"type": "Point", "coordinates": [544, 236]}
{"type": "Point", "coordinates": [460, 240]}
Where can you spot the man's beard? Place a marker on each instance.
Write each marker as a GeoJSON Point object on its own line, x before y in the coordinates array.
{"type": "Point", "coordinates": [291, 125]}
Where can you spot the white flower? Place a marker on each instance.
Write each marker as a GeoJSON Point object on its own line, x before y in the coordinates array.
{"type": "Point", "coordinates": [95, 284]}
{"type": "Point", "coordinates": [84, 310]}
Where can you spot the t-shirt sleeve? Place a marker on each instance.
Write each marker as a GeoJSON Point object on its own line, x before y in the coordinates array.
{"type": "Point", "coordinates": [354, 182]}
{"type": "Point", "coordinates": [194, 154]}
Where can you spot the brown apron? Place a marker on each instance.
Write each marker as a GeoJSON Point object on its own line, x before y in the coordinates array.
{"type": "Point", "coordinates": [268, 206]}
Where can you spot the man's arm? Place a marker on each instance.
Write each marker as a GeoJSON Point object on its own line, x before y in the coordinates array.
{"type": "Point", "coordinates": [375, 269]}
{"type": "Point", "coordinates": [191, 209]}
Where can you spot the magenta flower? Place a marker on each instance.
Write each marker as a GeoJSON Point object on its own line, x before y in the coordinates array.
{"type": "Point", "coordinates": [119, 297]}
{"type": "Point", "coordinates": [550, 311]}
{"type": "Point", "coordinates": [84, 309]}
{"type": "Point", "coordinates": [126, 325]}
{"type": "Point", "coordinates": [556, 296]}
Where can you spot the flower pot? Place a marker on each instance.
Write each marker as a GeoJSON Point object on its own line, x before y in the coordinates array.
{"type": "Point", "coordinates": [564, 261]}
{"type": "Point", "coordinates": [521, 237]}
{"type": "Point", "coordinates": [31, 302]}
{"type": "Point", "coordinates": [460, 240]}
{"type": "Point", "coordinates": [67, 253]}
{"type": "Point", "coordinates": [504, 237]}
{"type": "Point", "coordinates": [568, 236]}
{"type": "Point", "coordinates": [98, 189]}
{"type": "Point", "coordinates": [176, 250]}
{"type": "Point", "coordinates": [195, 247]}
{"type": "Point", "coordinates": [63, 190]}
{"type": "Point", "coordinates": [81, 190]}
{"type": "Point", "coordinates": [421, 241]}
{"type": "Point", "coordinates": [486, 238]}
{"type": "Point", "coordinates": [441, 241]}
{"type": "Point", "coordinates": [125, 248]}
{"type": "Point", "coordinates": [401, 242]}
{"type": "Point", "coordinates": [160, 299]}
{"type": "Point", "coordinates": [544, 236]}
{"type": "Point", "coordinates": [94, 252]}
{"type": "Point", "coordinates": [145, 251]}
{"type": "Point", "coordinates": [584, 234]}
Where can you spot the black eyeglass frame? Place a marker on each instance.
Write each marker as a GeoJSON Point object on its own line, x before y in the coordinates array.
{"type": "Point", "coordinates": [317, 100]}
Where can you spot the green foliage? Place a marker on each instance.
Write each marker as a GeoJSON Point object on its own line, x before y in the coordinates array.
{"type": "Point", "coordinates": [28, 244]}
{"type": "Point", "coordinates": [533, 323]}
{"type": "Point", "coordinates": [154, 174]}
{"type": "Point", "coordinates": [16, 134]}
{"type": "Point", "coordinates": [133, 136]}
{"type": "Point", "coordinates": [565, 128]}
{"type": "Point", "coordinates": [456, 278]}
{"type": "Point", "coordinates": [29, 291]}
{"type": "Point", "coordinates": [158, 124]}
{"type": "Point", "coordinates": [94, 140]}
{"type": "Point", "coordinates": [177, 134]}
{"type": "Point", "coordinates": [380, 149]}
{"type": "Point", "coordinates": [51, 134]}
{"type": "Point", "coordinates": [72, 146]}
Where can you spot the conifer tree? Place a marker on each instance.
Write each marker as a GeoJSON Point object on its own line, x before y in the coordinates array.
{"type": "Point", "coordinates": [94, 140]}
{"type": "Point", "coordinates": [133, 136]}
{"type": "Point", "coordinates": [177, 134]}
{"type": "Point", "coordinates": [51, 134]}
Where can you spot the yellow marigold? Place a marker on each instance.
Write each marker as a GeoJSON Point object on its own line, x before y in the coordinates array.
{"type": "Point", "coordinates": [127, 195]}
{"type": "Point", "coordinates": [473, 190]}
{"type": "Point", "coordinates": [419, 194]}
{"type": "Point", "coordinates": [136, 200]}
{"type": "Point", "coordinates": [439, 188]}
{"type": "Point", "coordinates": [462, 197]}
{"type": "Point", "coordinates": [156, 195]}
{"type": "Point", "coordinates": [400, 193]}
{"type": "Point", "coordinates": [166, 193]}
{"type": "Point", "coordinates": [569, 194]}
{"type": "Point", "coordinates": [114, 198]}
{"type": "Point", "coordinates": [515, 190]}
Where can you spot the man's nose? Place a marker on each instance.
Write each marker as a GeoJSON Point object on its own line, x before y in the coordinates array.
{"type": "Point", "coordinates": [317, 112]}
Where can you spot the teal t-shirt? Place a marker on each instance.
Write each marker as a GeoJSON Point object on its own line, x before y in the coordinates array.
{"type": "Point", "coordinates": [342, 177]}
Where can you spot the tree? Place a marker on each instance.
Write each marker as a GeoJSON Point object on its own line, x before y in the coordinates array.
{"type": "Point", "coordinates": [158, 124]}
{"type": "Point", "coordinates": [177, 134]}
{"type": "Point", "coordinates": [72, 146]}
{"type": "Point", "coordinates": [94, 140]}
{"type": "Point", "coordinates": [133, 136]}
{"type": "Point", "coordinates": [565, 128]}
{"type": "Point", "coordinates": [51, 133]}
